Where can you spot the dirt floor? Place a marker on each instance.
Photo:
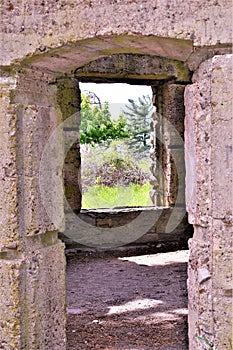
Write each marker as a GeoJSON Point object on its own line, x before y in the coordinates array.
{"type": "Point", "coordinates": [134, 302]}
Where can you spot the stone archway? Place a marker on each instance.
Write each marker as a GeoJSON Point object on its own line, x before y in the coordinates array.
{"type": "Point", "coordinates": [32, 261]}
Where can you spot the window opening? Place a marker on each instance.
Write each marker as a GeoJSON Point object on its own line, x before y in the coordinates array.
{"type": "Point", "coordinates": [115, 144]}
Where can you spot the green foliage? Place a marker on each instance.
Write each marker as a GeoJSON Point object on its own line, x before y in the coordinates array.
{"type": "Point", "coordinates": [111, 176]}
{"type": "Point", "coordinates": [119, 171]}
{"type": "Point", "coordinates": [205, 341]}
{"type": "Point", "coordinates": [138, 114]}
{"type": "Point", "coordinates": [100, 196]}
{"type": "Point", "coordinates": [115, 165]}
{"type": "Point", "coordinates": [119, 149]}
{"type": "Point", "coordinates": [96, 124]}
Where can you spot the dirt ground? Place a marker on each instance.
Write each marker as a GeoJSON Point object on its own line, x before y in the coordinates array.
{"type": "Point", "coordinates": [134, 302]}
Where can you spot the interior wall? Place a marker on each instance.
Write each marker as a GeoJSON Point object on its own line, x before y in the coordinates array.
{"type": "Point", "coordinates": [168, 78]}
{"type": "Point", "coordinates": [32, 262]}
{"type": "Point", "coordinates": [209, 193]}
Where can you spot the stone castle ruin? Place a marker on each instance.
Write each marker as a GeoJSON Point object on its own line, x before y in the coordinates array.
{"type": "Point", "coordinates": [183, 51]}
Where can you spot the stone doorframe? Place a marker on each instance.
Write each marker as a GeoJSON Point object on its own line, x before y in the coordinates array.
{"type": "Point", "coordinates": [32, 263]}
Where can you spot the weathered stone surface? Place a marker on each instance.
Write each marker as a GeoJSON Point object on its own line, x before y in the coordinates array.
{"type": "Point", "coordinates": [33, 27]}
{"type": "Point", "coordinates": [222, 146]}
{"type": "Point", "coordinates": [43, 317]}
{"type": "Point", "coordinates": [57, 36]}
{"type": "Point", "coordinates": [201, 320]}
{"type": "Point", "coordinates": [37, 119]}
{"type": "Point", "coordinates": [208, 134]}
{"type": "Point", "coordinates": [8, 169]}
{"type": "Point", "coordinates": [32, 296]}
{"type": "Point", "coordinates": [11, 293]}
{"type": "Point", "coordinates": [208, 155]}
{"type": "Point", "coordinates": [69, 101]}
{"type": "Point", "coordinates": [111, 218]}
{"type": "Point", "coordinates": [167, 138]}
{"type": "Point", "coordinates": [131, 66]}
{"type": "Point", "coordinates": [32, 274]}
{"type": "Point", "coordinates": [222, 314]}
{"type": "Point", "coordinates": [198, 151]}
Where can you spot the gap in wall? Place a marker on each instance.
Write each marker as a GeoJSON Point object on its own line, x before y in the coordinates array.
{"type": "Point", "coordinates": [112, 292]}
{"type": "Point", "coordinates": [115, 172]}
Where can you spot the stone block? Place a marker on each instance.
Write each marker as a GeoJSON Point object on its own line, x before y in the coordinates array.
{"type": "Point", "coordinates": [121, 220]}
{"type": "Point", "coordinates": [222, 169]}
{"type": "Point", "coordinates": [37, 28]}
{"type": "Point", "coordinates": [11, 295]}
{"type": "Point", "coordinates": [31, 90]}
{"type": "Point", "coordinates": [8, 160]}
{"type": "Point", "coordinates": [72, 177]}
{"type": "Point", "coordinates": [32, 296]}
{"type": "Point", "coordinates": [133, 66]}
{"type": "Point", "coordinates": [210, 117]}
{"type": "Point", "coordinates": [208, 153]}
{"type": "Point", "coordinates": [173, 112]}
{"type": "Point", "coordinates": [222, 269]}
{"type": "Point", "coordinates": [169, 142]}
{"type": "Point", "coordinates": [69, 101]}
{"type": "Point", "coordinates": [198, 152]}
{"type": "Point", "coordinates": [222, 235]}
{"type": "Point", "coordinates": [201, 322]}
{"type": "Point", "coordinates": [35, 124]}
{"type": "Point", "coordinates": [39, 185]}
{"type": "Point", "coordinates": [223, 320]}
{"type": "Point", "coordinates": [43, 304]}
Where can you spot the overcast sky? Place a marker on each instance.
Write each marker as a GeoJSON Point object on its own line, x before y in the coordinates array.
{"type": "Point", "coordinates": [116, 94]}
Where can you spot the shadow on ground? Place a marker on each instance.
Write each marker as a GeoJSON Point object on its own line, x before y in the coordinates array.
{"type": "Point", "coordinates": [131, 303]}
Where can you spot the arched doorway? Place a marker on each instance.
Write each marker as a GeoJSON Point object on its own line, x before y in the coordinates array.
{"type": "Point", "coordinates": [32, 257]}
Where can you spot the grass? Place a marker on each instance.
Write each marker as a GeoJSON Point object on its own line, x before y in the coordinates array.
{"type": "Point", "coordinates": [205, 341]}
{"type": "Point", "coordinates": [108, 197]}
{"type": "Point", "coordinates": [210, 345]}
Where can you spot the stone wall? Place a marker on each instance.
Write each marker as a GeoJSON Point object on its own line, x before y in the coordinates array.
{"type": "Point", "coordinates": [43, 43]}
{"type": "Point", "coordinates": [209, 188]}
{"type": "Point", "coordinates": [111, 218]}
{"type": "Point", "coordinates": [69, 101]}
{"type": "Point", "coordinates": [32, 264]}
{"type": "Point", "coordinates": [32, 28]}
{"type": "Point", "coordinates": [167, 150]}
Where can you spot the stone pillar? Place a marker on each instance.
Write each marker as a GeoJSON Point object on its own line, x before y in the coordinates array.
{"type": "Point", "coordinates": [69, 100]}
{"type": "Point", "coordinates": [167, 145]}
{"type": "Point", "coordinates": [32, 263]}
{"type": "Point", "coordinates": [154, 179]}
{"type": "Point", "coordinates": [209, 193]}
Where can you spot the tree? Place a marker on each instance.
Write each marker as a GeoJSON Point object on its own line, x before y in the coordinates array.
{"type": "Point", "coordinates": [96, 124]}
{"type": "Point", "coordinates": [138, 115]}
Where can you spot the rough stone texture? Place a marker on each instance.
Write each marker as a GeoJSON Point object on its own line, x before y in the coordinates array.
{"type": "Point", "coordinates": [59, 37]}
{"type": "Point", "coordinates": [37, 117]}
{"type": "Point", "coordinates": [167, 151]}
{"type": "Point", "coordinates": [139, 68]}
{"type": "Point", "coordinates": [32, 296]}
{"type": "Point", "coordinates": [10, 303]}
{"type": "Point", "coordinates": [33, 27]}
{"type": "Point", "coordinates": [8, 169]}
{"type": "Point", "coordinates": [209, 201]}
{"type": "Point", "coordinates": [43, 320]}
{"type": "Point", "coordinates": [110, 218]}
{"type": "Point", "coordinates": [69, 100]}
{"type": "Point", "coordinates": [32, 270]}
